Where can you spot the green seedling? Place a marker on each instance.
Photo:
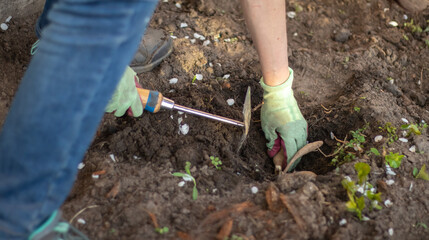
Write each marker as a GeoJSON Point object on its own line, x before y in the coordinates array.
{"type": "Point", "coordinates": [422, 174]}
{"type": "Point", "coordinates": [420, 224]}
{"type": "Point", "coordinates": [357, 109]}
{"type": "Point", "coordinates": [394, 159]}
{"type": "Point", "coordinates": [216, 162]}
{"type": "Point", "coordinates": [415, 129]}
{"type": "Point", "coordinates": [162, 230]}
{"type": "Point", "coordinates": [356, 204]}
{"type": "Point", "coordinates": [391, 131]}
{"type": "Point", "coordinates": [347, 152]}
{"type": "Point", "coordinates": [188, 177]}
{"type": "Point", "coordinates": [374, 151]}
{"type": "Point", "coordinates": [413, 27]}
{"type": "Point", "coordinates": [406, 37]}
{"type": "Point", "coordinates": [195, 78]}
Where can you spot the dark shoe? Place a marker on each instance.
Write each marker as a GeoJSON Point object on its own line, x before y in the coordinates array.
{"type": "Point", "coordinates": [55, 229]}
{"type": "Point", "coordinates": [154, 47]}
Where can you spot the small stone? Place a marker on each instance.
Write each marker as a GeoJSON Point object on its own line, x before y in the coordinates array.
{"type": "Point", "coordinates": [405, 17]}
{"type": "Point", "coordinates": [197, 36]}
{"type": "Point", "coordinates": [411, 187]}
{"type": "Point", "coordinates": [405, 120]}
{"type": "Point", "coordinates": [81, 221]}
{"type": "Point", "coordinates": [413, 148]}
{"type": "Point", "coordinates": [378, 138]}
{"type": "Point", "coordinates": [4, 26]}
{"type": "Point", "coordinates": [342, 35]}
{"type": "Point", "coordinates": [254, 190]}
{"type": "Point", "coordinates": [184, 129]}
{"type": "Point", "coordinates": [180, 112]}
{"type": "Point", "coordinates": [332, 135]}
{"type": "Point", "coordinates": [181, 184]}
{"type": "Point", "coordinates": [199, 77]}
{"type": "Point", "coordinates": [226, 76]}
{"type": "Point", "coordinates": [179, 120]}
{"type": "Point", "coordinates": [94, 176]}
{"type": "Point", "coordinates": [230, 101]}
{"type": "Point", "coordinates": [178, 5]}
{"type": "Point", "coordinates": [206, 42]}
{"type": "Point", "coordinates": [403, 140]}
{"type": "Point", "coordinates": [393, 24]}
{"type": "Point", "coordinates": [186, 37]}
{"type": "Point", "coordinates": [173, 37]}
{"type": "Point", "coordinates": [183, 25]}
{"type": "Point", "coordinates": [291, 14]}
{"type": "Point", "coordinates": [8, 19]}
{"type": "Point", "coordinates": [343, 222]}
{"type": "Point", "coordinates": [390, 231]}
{"type": "Point", "coordinates": [390, 182]}
{"type": "Point", "coordinates": [388, 203]}
{"type": "Point", "coordinates": [80, 166]}
{"type": "Point", "coordinates": [112, 157]}
{"type": "Point", "coordinates": [173, 80]}
{"type": "Point", "coordinates": [295, 34]}
{"type": "Point", "coordinates": [193, 41]}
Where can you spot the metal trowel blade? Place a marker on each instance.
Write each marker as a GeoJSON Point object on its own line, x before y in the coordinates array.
{"type": "Point", "coordinates": [247, 115]}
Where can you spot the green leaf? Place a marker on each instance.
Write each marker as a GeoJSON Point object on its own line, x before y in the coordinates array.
{"type": "Point", "coordinates": [363, 170]}
{"type": "Point", "coordinates": [375, 151]}
{"type": "Point", "coordinates": [195, 78]}
{"type": "Point", "coordinates": [415, 171]}
{"type": "Point", "coordinates": [349, 186]}
{"type": "Point", "coordinates": [194, 193]}
{"type": "Point", "coordinates": [394, 159]}
{"type": "Point", "coordinates": [422, 224]}
{"type": "Point", "coordinates": [422, 173]}
{"type": "Point", "coordinates": [414, 129]}
{"type": "Point", "coordinates": [178, 174]}
{"type": "Point", "coordinates": [188, 167]}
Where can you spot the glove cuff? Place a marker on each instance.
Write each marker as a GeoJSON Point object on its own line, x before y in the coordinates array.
{"type": "Point", "coordinates": [284, 86]}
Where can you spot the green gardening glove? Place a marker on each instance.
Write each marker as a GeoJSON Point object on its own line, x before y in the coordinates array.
{"type": "Point", "coordinates": [282, 121]}
{"type": "Point", "coordinates": [126, 96]}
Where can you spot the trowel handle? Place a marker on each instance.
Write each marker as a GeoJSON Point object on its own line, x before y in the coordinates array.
{"type": "Point", "coordinates": [151, 100]}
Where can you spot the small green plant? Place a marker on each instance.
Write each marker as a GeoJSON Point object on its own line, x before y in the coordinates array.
{"type": "Point", "coordinates": [422, 174]}
{"type": "Point", "coordinates": [413, 27]}
{"type": "Point", "coordinates": [162, 230]}
{"type": "Point", "coordinates": [356, 203]}
{"type": "Point", "coordinates": [420, 224]}
{"type": "Point", "coordinates": [374, 151]}
{"type": "Point", "coordinates": [414, 128]}
{"type": "Point", "coordinates": [216, 162]}
{"type": "Point", "coordinates": [357, 109]}
{"type": "Point", "coordinates": [391, 131]}
{"type": "Point", "coordinates": [195, 78]}
{"type": "Point", "coordinates": [188, 177]}
{"type": "Point", "coordinates": [394, 159]}
{"type": "Point", "coordinates": [347, 152]}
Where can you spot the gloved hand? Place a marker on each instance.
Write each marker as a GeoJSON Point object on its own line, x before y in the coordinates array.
{"type": "Point", "coordinates": [126, 96]}
{"type": "Point", "coordinates": [282, 121]}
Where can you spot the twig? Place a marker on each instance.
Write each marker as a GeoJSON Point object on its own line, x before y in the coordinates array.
{"type": "Point", "coordinates": [258, 106]}
{"type": "Point", "coordinates": [81, 211]}
{"type": "Point", "coordinates": [338, 149]}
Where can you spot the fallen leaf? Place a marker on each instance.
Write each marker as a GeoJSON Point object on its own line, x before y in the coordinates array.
{"type": "Point", "coordinates": [114, 191]}
{"type": "Point", "coordinates": [225, 230]}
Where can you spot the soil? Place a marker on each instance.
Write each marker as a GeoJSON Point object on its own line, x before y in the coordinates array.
{"type": "Point", "coordinates": [352, 70]}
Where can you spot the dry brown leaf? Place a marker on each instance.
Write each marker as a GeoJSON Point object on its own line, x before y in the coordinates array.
{"type": "Point", "coordinates": [114, 191]}
{"type": "Point", "coordinates": [225, 230]}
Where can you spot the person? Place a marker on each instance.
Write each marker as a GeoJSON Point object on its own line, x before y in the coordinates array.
{"type": "Point", "coordinates": [82, 55]}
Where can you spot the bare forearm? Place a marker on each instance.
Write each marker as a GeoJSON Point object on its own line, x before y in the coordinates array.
{"type": "Point", "coordinates": [266, 21]}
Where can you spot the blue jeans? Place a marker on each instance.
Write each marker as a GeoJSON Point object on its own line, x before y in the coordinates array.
{"type": "Point", "coordinates": [82, 54]}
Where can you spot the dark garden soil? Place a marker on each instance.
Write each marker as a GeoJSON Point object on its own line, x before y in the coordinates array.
{"type": "Point", "coordinates": [353, 70]}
